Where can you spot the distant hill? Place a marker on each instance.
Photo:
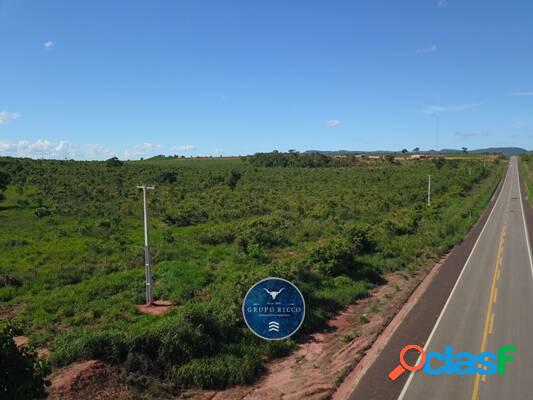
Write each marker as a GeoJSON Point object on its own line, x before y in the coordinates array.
{"type": "Point", "coordinates": [507, 151]}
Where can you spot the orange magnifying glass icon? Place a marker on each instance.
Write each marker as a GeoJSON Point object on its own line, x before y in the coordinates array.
{"type": "Point", "coordinates": [403, 366]}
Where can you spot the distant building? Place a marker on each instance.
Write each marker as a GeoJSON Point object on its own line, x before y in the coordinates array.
{"type": "Point", "coordinates": [420, 156]}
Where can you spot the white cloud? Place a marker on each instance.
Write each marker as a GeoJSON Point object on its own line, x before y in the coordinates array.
{"type": "Point", "coordinates": [427, 50]}
{"type": "Point", "coordinates": [442, 3]}
{"type": "Point", "coordinates": [333, 123]}
{"type": "Point", "coordinates": [434, 109]}
{"type": "Point", "coordinates": [141, 150]}
{"type": "Point", "coordinates": [48, 45]}
{"type": "Point", "coordinates": [219, 152]}
{"type": "Point", "coordinates": [97, 152]}
{"type": "Point", "coordinates": [42, 148]}
{"type": "Point", "coordinates": [184, 148]}
{"type": "Point", "coordinates": [6, 116]}
{"type": "Point", "coordinates": [520, 94]}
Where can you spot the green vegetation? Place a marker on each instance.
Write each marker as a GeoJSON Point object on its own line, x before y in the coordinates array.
{"type": "Point", "coordinates": [526, 170]}
{"type": "Point", "coordinates": [22, 375]}
{"type": "Point", "coordinates": [72, 249]}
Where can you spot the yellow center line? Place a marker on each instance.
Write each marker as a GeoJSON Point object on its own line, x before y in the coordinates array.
{"type": "Point", "coordinates": [489, 318]}
{"type": "Point", "coordinates": [495, 292]}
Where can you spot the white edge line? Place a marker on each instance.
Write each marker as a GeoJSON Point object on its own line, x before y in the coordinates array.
{"type": "Point", "coordinates": [411, 375]}
{"type": "Point", "coordinates": [524, 219]}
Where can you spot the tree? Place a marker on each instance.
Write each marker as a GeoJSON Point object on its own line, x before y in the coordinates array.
{"type": "Point", "coordinates": [405, 151]}
{"type": "Point", "coordinates": [465, 150]}
{"type": "Point", "coordinates": [114, 162]}
{"type": "Point", "coordinates": [416, 149]}
{"type": "Point", "coordinates": [233, 179]}
{"type": "Point", "coordinates": [439, 162]}
{"type": "Point", "coordinates": [168, 177]}
{"type": "Point", "coordinates": [4, 181]}
{"type": "Point", "coordinates": [22, 375]}
{"type": "Point", "coordinates": [390, 158]}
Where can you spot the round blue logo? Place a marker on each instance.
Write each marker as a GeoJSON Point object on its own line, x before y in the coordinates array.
{"type": "Point", "coordinates": [273, 309]}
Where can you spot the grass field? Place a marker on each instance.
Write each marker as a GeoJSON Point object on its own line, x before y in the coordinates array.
{"type": "Point", "coordinates": [71, 240]}
{"type": "Point", "coordinates": [526, 170]}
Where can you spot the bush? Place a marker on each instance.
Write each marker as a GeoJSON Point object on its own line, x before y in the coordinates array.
{"type": "Point", "coordinates": [22, 375]}
{"type": "Point", "coordinates": [217, 235]}
{"type": "Point", "coordinates": [334, 257]}
{"type": "Point", "coordinates": [361, 237]}
{"type": "Point", "coordinates": [402, 222]}
{"type": "Point", "coordinates": [4, 181]}
{"type": "Point", "coordinates": [83, 344]}
{"type": "Point", "coordinates": [42, 212]}
{"type": "Point", "coordinates": [187, 216]}
{"type": "Point", "coordinates": [263, 233]}
{"type": "Point", "coordinates": [219, 372]}
{"type": "Point", "coordinates": [233, 179]}
{"type": "Point", "coordinates": [8, 279]}
{"type": "Point", "coordinates": [198, 332]}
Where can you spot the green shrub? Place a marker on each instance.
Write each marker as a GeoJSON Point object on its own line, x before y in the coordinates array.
{"type": "Point", "coordinates": [219, 372]}
{"type": "Point", "coordinates": [261, 233]}
{"type": "Point", "coordinates": [334, 257]}
{"type": "Point", "coordinates": [22, 375]}
{"type": "Point", "coordinates": [332, 231]}
{"type": "Point", "coordinates": [82, 344]}
{"type": "Point", "coordinates": [361, 237]}
{"type": "Point", "coordinates": [217, 235]}
{"type": "Point", "coordinates": [402, 222]}
{"type": "Point", "coordinates": [42, 212]}
{"type": "Point", "coordinates": [187, 216]}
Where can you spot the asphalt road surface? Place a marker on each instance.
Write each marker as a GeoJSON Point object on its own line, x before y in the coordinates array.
{"type": "Point", "coordinates": [491, 305]}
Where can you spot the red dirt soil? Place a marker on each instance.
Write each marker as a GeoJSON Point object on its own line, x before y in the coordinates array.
{"type": "Point", "coordinates": [24, 341]}
{"type": "Point", "coordinates": [91, 379]}
{"type": "Point", "coordinates": [158, 307]}
{"type": "Point", "coordinates": [8, 311]}
{"type": "Point", "coordinates": [316, 369]}
{"type": "Point", "coordinates": [313, 371]}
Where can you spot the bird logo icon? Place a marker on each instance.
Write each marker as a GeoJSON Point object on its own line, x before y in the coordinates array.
{"type": "Point", "coordinates": [273, 293]}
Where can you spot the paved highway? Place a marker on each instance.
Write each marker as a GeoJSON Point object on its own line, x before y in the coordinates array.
{"type": "Point", "coordinates": [491, 305]}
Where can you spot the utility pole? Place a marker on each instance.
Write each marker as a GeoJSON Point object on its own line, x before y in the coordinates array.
{"type": "Point", "coordinates": [147, 255]}
{"type": "Point", "coordinates": [429, 190]}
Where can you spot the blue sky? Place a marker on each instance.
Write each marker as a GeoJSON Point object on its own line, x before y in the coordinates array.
{"type": "Point", "coordinates": [92, 79]}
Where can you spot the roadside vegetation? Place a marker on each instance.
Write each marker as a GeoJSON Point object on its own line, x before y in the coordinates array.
{"type": "Point", "coordinates": [526, 171]}
{"type": "Point", "coordinates": [23, 375]}
{"type": "Point", "coordinates": [72, 249]}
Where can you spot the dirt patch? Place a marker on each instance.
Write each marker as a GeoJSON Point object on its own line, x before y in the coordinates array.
{"type": "Point", "coordinates": [8, 311]}
{"type": "Point", "coordinates": [24, 341]}
{"type": "Point", "coordinates": [21, 340]}
{"type": "Point", "coordinates": [91, 379]}
{"type": "Point", "coordinates": [158, 307]}
{"type": "Point", "coordinates": [353, 378]}
{"type": "Point", "coordinates": [317, 367]}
